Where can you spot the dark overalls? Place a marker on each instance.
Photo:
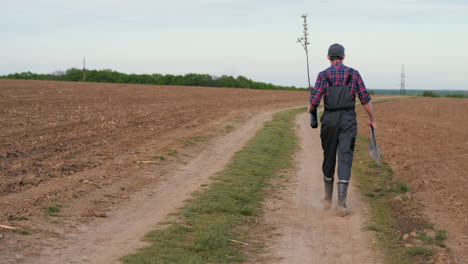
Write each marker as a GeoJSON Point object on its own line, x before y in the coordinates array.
{"type": "Point", "coordinates": [338, 134]}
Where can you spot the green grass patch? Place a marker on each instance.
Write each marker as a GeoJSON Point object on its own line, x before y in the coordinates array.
{"type": "Point", "coordinates": [441, 234]}
{"type": "Point", "coordinates": [440, 244]}
{"type": "Point", "coordinates": [228, 128]}
{"type": "Point", "coordinates": [419, 251]}
{"type": "Point", "coordinates": [402, 187]}
{"type": "Point", "coordinates": [22, 231]}
{"type": "Point", "coordinates": [52, 210]}
{"type": "Point", "coordinates": [159, 158]}
{"type": "Point", "coordinates": [438, 238]}
{"type": "Point", "coordinates": [172, 153]}
{"type": "Point", "coordinates": [373, 227]}
{"type": "Point", "coordinates": [424, 237]}
{"type": "Point", "coordinates": [20, 218]}
{"type": "Point", "coordinates": [209, 224]}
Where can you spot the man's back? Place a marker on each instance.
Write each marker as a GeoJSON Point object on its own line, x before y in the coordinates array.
{"type": "Point", "coordinates": [338, 74]}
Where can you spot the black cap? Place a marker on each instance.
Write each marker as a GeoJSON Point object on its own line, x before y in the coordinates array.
{"type": "Point", "coordinates": [336, 50]}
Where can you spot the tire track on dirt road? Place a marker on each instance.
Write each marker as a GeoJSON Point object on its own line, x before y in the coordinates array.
{"type": "Point", "coordinates": [120, 234]}
{"type": "Point", "coordinates": [308, 233]}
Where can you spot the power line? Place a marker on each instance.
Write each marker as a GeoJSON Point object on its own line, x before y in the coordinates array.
{"type": "Point", "coordinates": [403, 81]}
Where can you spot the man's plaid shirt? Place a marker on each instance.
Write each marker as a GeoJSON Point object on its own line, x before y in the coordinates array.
{"type": "Point", "coordinates": [338, 74]}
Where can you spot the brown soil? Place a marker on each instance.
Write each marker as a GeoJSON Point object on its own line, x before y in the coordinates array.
{"type": "Point", "coordinates": [87, 147]}
{"type": "Point", "coordinates": [425, 141]}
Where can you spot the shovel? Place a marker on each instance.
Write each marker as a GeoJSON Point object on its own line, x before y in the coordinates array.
{"type": "Point", "coordinates": [374, 150]}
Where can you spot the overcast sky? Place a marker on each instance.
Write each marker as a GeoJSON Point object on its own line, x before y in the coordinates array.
{"type": "Point", "coordinates": [254, 38]}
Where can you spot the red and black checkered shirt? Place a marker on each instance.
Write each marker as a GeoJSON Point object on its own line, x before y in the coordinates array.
{"type": "Point", "coordinates": [338, 74]}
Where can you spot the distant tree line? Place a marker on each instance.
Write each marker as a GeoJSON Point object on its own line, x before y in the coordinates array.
{"type": "Point", "coordinates": [430, 94]}
{"type": "Point", "coordinates": [452, 95]}
{"type": "Point", "coordinates": [190, 79]}
{"type": "Point", "coordinates": [426, 93]}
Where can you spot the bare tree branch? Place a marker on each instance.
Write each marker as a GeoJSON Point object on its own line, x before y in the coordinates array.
{"type": "Point", "coordinates": [305, 42]}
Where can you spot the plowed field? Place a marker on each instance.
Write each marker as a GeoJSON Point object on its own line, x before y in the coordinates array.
{"type": "Point", "coordinates": [425, 141]}
{"type": "Point", "coordinates": [64, 140]}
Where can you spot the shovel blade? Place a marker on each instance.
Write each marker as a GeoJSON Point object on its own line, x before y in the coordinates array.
{"type": "Point", "coordinates": [374, 152]}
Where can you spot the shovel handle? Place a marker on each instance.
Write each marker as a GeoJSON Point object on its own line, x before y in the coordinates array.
{"type": "Point", "coordinates": [373, 134]}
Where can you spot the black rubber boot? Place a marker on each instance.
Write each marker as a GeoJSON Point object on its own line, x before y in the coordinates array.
{"type": "Point", "coordinates": [327, 200]}
{"type": "Point", "coordinates": [342, 197]}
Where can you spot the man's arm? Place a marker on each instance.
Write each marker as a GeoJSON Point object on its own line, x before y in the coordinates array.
{"type": "Point", "coordinates": [365, 99]}
{"type": "Point", "coordinates": [370, 112]}
{"type": "Point", "coordinates": [311, 108]}
{"type": "Point", "coordinates": [316, 94]}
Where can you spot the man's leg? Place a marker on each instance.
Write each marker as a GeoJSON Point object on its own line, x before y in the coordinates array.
{"type": "Point", "coordinates": [346, 141]}
{"type": "Point", "coordinates": [329, 138]}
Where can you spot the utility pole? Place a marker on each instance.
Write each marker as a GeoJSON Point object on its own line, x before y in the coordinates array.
{"type": "Point", "coordinates": [84, 69]}
{"type": "Point", "coordinates": [402, 84]}
{"type": "Point", "coordinates": [305, 42]}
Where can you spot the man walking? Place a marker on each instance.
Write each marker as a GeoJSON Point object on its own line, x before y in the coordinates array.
{"type": "Point", "coordinates": [339, 86]}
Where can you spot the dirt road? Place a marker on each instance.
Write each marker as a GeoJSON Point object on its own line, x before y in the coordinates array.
{"type": "Point", "coordinates": [308, 233]}
{"type": "Point", "coordinates": [120, 234]}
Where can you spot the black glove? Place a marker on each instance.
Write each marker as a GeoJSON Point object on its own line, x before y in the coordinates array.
{"type": "Point", "coordinates": [314, 119]}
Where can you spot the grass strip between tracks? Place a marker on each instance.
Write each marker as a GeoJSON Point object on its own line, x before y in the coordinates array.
{"type": "Point", "coordinates": [210, 228]}
{"type": "Point", "coordinates": [404, 235]}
